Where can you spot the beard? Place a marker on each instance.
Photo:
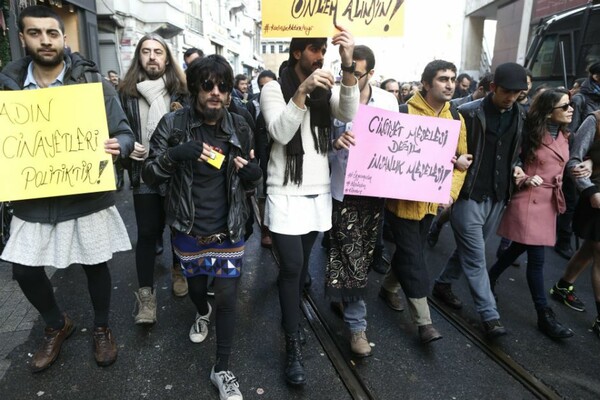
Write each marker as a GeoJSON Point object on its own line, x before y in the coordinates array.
{"type": "Point", "coordinates": [154, 74]}
{"type": "Point", "coordinates": [47, 62]}
{"type": "Point", "coordinates": [213, 114]}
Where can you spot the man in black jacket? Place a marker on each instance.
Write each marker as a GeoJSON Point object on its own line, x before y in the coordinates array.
{"type": "Point", "coordinates": [64, 230]}
{"type": "Point", "coordinates": [204, 152]}
{"type": "Point", "coordinates": [153, 86]}
{"type": "Point", "coordinates": [494, 126]}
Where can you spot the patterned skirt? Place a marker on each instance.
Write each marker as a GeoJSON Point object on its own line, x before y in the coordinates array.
{"type": "Point", "coordinates": [87, 240]}
{"type": "Point", "coordinates": [221, 260]}
{"type": "Point", "coordinates": [353, 235]}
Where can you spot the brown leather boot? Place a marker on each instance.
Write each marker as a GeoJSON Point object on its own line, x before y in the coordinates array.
{"type": "Point", "coordinates": [50, 348]}
{"type": "Point", "coordinates": [105, 347]}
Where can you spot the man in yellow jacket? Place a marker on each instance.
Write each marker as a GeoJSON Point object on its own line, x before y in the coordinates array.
{"type": "Point", "coordinates": [410, 220]}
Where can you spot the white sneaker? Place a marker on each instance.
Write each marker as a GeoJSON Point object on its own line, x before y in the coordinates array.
{"type": "Point", "coordinates": [227, 383]}
{"type": "Point", "coordinates": [199, 329]}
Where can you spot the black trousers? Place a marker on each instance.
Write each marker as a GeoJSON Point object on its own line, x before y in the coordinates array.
{"type": "Point", "coordinates": [408, 262]}
{"type": "Point", "coordinates": [225, 308]}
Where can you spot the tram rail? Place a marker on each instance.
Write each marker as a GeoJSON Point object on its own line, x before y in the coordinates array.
{"type": "Point", "coordinates": [359, 390]}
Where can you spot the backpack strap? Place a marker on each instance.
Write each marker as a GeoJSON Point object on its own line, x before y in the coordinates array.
{"type": "Point", "coordinates": [181, 120]}
{"type": "Point", "coordinates": [454, 112]}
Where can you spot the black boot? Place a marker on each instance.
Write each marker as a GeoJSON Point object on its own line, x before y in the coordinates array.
{"type": "Point", "coordinates": [548, 324]}
{"type": "Point", "coordinates": [294, 368]}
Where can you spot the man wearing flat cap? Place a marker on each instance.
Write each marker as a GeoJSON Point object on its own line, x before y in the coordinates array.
{"type": "Point", "coordinates": [494, 125]}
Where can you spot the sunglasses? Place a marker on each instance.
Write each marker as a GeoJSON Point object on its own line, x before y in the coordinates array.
{"type": "Point", "coordinates": [565, 107]}
{"type": "Point", "coordinates": [209, 85]}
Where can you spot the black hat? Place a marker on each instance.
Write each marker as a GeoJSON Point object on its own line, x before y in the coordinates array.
{"type": "Point", "coordinates": [511, 76]}
{"type": "Point", "coordinates": [595, 68]}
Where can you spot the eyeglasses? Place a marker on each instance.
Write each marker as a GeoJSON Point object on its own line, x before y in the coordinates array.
{"type": "Point", "coordinates": [564, 107]}
{"type": "Point", "coordinates": [358, 75]}
{"type": "Point", "coordinates": [209, 85]}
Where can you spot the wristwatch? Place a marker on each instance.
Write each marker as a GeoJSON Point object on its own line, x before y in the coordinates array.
{"type": "Point", "coordinates": [351, 68]}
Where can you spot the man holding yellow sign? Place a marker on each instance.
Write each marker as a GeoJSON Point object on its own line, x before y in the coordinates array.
{"type": "Point", "coordinates": [65, 229]}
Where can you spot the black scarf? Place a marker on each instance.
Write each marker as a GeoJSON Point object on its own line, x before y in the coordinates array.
{"type": "Point", "coordinates": [320, 125]}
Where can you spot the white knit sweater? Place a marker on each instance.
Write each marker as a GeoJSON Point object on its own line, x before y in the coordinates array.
{"type": "Point", "coordinates": [283, 121]}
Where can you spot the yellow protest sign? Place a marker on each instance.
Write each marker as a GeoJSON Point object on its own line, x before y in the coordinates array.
{"type": "Point", "coordinates": [318, 18]}
{"type": "Point", "coordinates": [52, 142]}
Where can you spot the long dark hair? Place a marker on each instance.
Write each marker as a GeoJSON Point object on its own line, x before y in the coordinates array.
{"type": "Point", "coordinates": [537, 118]}
{"type": "Point", "coordinates": [174, 77]}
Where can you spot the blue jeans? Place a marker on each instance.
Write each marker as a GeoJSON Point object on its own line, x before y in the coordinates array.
{"type": "Point", "coordinates": [535, 270]}
{"type": "Point", "coordinates": [472, 223]}
{"type": "Point", "coordinates": [355, 315]}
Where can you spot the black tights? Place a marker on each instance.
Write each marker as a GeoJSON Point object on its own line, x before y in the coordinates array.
{"type": "Point", "coordinates": [225, 306]}
{"type": "Point", "coordinates": [294, 254]}
{"type": "Point", "coordinates": [37, 288]}
{"type": "Point", "coordinates": [150, 220]}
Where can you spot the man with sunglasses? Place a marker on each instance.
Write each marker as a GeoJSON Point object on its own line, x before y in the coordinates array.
{"type": "Point", "coordinates": [204, 154]}
{"type": "Point", "coordinates": [494, 124]}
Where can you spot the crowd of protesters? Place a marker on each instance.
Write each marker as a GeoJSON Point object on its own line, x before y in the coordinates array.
{"type": "Point", "coordinates": [199, 144]}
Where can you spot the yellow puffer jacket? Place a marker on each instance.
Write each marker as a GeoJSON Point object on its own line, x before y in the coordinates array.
{"type": "Point", "coordinates": [416, 210]}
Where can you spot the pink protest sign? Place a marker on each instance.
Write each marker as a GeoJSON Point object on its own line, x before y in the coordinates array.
{"type": "Point", "coordinates": [401, 156]}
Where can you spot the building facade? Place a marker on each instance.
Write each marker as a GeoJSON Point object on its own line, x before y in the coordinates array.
{"type": "Point", "coordinates": [230, 28]}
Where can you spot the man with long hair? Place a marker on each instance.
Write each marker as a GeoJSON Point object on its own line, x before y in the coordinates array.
{"type": "Point", "coordinates": [63, 230]}
{"type": "Point", "coordinates": [153, 86]}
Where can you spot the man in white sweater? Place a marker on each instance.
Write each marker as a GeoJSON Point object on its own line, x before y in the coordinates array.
{"type": "Point", "coordinates": [298, 111]}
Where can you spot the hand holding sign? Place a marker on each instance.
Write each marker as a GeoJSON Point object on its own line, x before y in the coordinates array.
{"type": "Point", "coordinates": [112, 146]}
{"type": "Point", "coordinates": [345, 40]}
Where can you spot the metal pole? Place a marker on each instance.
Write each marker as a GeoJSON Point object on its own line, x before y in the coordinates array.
{"type": "Point", "coordinates": [564, 64]}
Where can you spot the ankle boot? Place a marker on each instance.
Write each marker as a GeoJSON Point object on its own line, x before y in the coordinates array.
{"type": "Point", "coordinates": [548, 324]}
{"type": "Point", "coordinates": [294, 369]}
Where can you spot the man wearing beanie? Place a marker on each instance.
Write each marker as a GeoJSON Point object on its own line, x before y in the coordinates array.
{"type": "Point", "coordinates": [494, 125]}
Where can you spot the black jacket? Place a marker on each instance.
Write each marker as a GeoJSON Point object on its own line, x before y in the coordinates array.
{"type": "Point", "coordinates": [62, 208]}
{"type": "Point", "coordinates": [158, 168]}
{"type": "Point", "coordinates": [585, 102]}
{"type": "Point", "coordinates": [474, 116]}
{"type": "Point", "coordinates": [132, 111]}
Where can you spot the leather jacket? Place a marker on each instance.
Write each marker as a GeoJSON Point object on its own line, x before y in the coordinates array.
{"type": "Point", "coordinates": [132, 111]}
{"type": "Point", "coordinates": [179, 203]}
{"type": "Point", "coordinates": [474, 116]}
{"type": "Point", "coordinates": [62, 208]}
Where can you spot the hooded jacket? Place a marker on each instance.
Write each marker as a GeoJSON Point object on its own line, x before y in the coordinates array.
{"type": "Point", "coordinates": [63, 208]}
{"type": "Point", "coordinates": [417, 210]}
{"type": "Point", "coordinates": [585, 102]}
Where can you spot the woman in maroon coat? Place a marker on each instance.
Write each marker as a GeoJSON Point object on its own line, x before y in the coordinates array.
{"type": "Point", "coordinates": [529, 220]}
